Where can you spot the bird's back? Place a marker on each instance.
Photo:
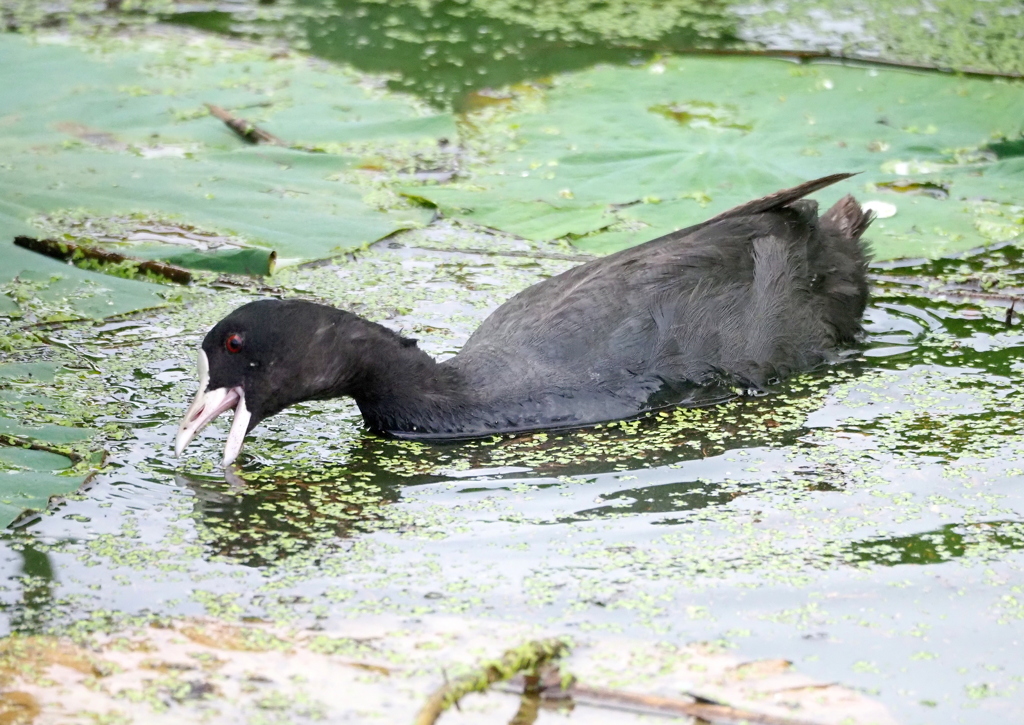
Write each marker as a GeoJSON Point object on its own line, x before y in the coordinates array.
{"type": "Point", "coordinates": [747, 297]}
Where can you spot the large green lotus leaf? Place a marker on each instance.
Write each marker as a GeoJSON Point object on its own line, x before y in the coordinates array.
{"type": "Point", "coordinates": [721, 131]}
{"type": "Point", "coordinates": [41, 371]}
{"type": "Point", "coordinates": [530, 219]}
{"type": "Point", "coordinates": [640, 223]}
{"type": "Point", "coordinates": [54, 290]}
{"type": "Point", "coordinates": [60, 435]}
{"type": "Point", "coordinates": [127, 132]}
{"type": "Point", "coordinates": [155, 90]}
{"type": "Point", "coordinates": [28, 478]}
{"type": "Point", "coordinates": [923, 228]}
{"type": "Point", "coordinates": [15, 401]}
{"type": "Point", "coordinates": [61, 291]}
{"type": "Point", "coordinates": [277, 197]}
{"type": "Point", "coordinates": [539, 220]}
{"type": "Point", "coordinates": [926, 228]}
{"type": "Point", "coordinates": [249, 260]}
{"type": "Point", "coordinates": [998, 181]}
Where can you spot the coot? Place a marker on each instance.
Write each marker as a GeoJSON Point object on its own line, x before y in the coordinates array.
{"type": "Point", "coordinates": [739, 301]}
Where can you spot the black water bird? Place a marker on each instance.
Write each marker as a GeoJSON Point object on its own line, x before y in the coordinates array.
{"type": "Point", "coordinates": [746, 298]}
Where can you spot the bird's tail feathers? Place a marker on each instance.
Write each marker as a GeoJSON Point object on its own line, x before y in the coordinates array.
{"type": "Point", "coordinates": [780, 198]}
{"type": "Point", "coordinates": [843, 258]}
{"type": "Point", "coordinates": [848, 218]}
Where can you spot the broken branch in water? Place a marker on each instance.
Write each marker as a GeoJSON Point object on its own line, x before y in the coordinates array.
{"type": "Point", "coordinates": [551, 689]}
{"type": "Point", "coordinates": [965, 294]}
{"type": "Point", "coordinates": [869, 60]}
{"type": "Point", "coordinates": [648, 704]}
{"type": "Point", "coordinates": [248, 131]}
{"type": "Point", "coordinates": [528, 658]}
{"type": "Point", "coordinates": [1007, 298]}
{"type": "Point", "coordinates": [68, 251]}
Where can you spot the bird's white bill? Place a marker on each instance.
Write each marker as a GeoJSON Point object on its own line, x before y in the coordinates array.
{"type": "Point", "coordinates": [239, 426]}
{"type": "Point", "coordinates": [208, 404]}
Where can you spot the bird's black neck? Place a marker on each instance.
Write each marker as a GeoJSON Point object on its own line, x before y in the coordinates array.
{"type": "Point", "coordinates": [397, 386]}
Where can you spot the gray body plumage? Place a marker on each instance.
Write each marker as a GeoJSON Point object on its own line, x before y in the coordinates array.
{"type": "Point", "coordinates": [687, 318]}
{"type": "Point", "coordinates": [755, 294]}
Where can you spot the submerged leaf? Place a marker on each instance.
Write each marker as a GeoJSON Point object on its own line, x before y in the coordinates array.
{"type": "Point", "coordinates": [28, 478]}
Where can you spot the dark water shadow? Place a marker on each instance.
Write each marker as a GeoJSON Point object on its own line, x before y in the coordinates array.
{"type": "Point", "coordinates": [267, 519]}
{"type": "Point", "coordinates": [950, 542]}
{"type": "Point", "coordinates": [664, 498]}
{"type": "Point", "coordinates": [30, 612]}
{"type": "Point", "coordinates": [442, 51]}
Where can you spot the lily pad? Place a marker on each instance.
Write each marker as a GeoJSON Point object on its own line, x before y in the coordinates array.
{"type": "Point", "coordinates": [128, 132]}
{"type": "Point", "coordinates": [249, 261]}
{"type": "Point", "coordinates": [47, 432]}
{"type": "Point", "coordinates": [275, 196]}
{"type": "Point", "coordinates": [636, 153]}
{"type": "Point", "coordinates": [29, 478]}
{"type": "Point", "coordinates": [50, 290]}
{"type": "Point", "coordinates": [41, 371]}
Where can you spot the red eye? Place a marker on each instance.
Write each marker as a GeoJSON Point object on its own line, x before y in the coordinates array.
{"type": "Point", "coordinates": [233, 343]}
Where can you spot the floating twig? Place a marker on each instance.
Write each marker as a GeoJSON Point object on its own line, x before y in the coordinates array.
{"type": "Point", "coordinates": [842, 58]}
{"type": "Point", "coordinates": [530, 657]}
{"type": "Point", "coordinates": [654, 704]}
{"type": "Point", "coordinates": [1003, 297]}
{"type": "Point", "coordinates": [248, 131]}
{"type": "Point", "coordinates": [69, 251]}
{"type": "Point", "coordinates": [550, 688]}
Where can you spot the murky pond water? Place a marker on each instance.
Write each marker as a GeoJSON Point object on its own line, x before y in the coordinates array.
{"type": "Point", "coordinates": [440, 49]}
{"type": "Point", "coordinates": [865, 521]}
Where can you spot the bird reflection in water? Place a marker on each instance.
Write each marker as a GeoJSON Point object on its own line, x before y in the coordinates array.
{"type": "Point", "coordinates": [265, 520]}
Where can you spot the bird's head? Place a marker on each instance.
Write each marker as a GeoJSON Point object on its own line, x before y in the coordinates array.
{"type": "Point", "coordinates": [261, 358]}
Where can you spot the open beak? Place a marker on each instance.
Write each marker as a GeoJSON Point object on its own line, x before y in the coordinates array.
{"type": "Point", "coordinates": [207, 406]}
